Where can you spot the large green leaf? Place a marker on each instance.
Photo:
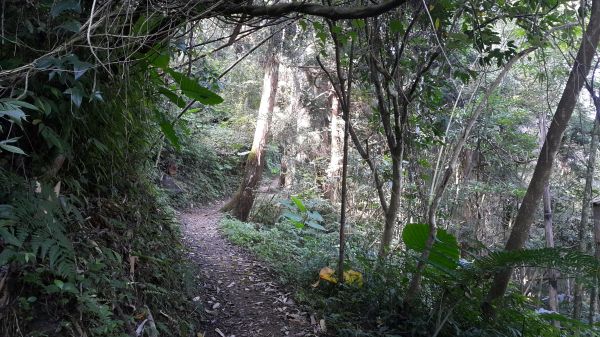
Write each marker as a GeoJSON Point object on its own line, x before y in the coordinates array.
{"type": "Point", "coordinates": [173, 97]}
{"type": "Point", "coordinates": [298, 203]}
{"type": "Point", "coordinates": [169, 132]}
{"type": "Point", "coordinates": [193, 90]}
{"type": "Point", "coordinates": [445, 251]}
{"type": "Point", "coordinates": [5, 146]}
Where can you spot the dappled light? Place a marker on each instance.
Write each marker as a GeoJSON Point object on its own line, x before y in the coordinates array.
{"type": "Point", "coordinates": [299, 168]}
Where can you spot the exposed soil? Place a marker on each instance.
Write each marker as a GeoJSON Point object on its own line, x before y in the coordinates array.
{"type": "Point", "coordinates": [241, 297]}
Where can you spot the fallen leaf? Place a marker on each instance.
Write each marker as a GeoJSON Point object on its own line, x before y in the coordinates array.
{"type": "Point", "coordinates": [327, 274]}
{"type": "Point", "coordinates": [353, 277]}
{"type": "Point", "coordinates": [219, 332]}
{"type": "Point", "coordinates": [322, 325]}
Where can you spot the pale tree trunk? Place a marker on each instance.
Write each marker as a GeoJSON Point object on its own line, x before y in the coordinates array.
{"type": "Point", "coordinates": [241, 203]}
{"type": "Point", "coordinates": [543, 168]}
{"type": "Point", "coordinates": [391, 213]}
{"type": "Point", "coordinates": [548, 228]}
{"type": "Point", "coordinates": [596, 214]}
{"type": "Point", "coordinates": [333, 170]}
{"type": "Point", "coordinates": [583, 222]}
{"type": "Point", "coordinates": [587, 196]}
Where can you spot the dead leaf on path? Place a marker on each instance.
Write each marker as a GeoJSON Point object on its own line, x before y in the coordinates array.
{"type": "Point", "coordinates": [216, 306]}
{"type": "Point", "coordinates": [200, 334]}
{"type": "Point", "coordinates": [322, 325]}
{"type": "Point", "coordinates": [219, 332]}
{"type": "Point", "coordinates": [231, 284]}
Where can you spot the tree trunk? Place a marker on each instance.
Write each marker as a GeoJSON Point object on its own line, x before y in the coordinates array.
{"type": "Point", "coordinates": [596, 214]}
{"type": "Point", "coordinates": [391, 213]}
{"type": "Point", "coordinates": [548, 227]}
{"type": "Point", "coordinates": [543, 167]}
{"type": "Point", "coordinates": [587, 196]}
{"type": "Point", "coordinates": [241, 203]}
{"type": "Point", "coordinates": [585, 215]}
{"type": "Point", "coordinates": [333, 170]}
{"type": "Point", "coordinates": [552, 282]}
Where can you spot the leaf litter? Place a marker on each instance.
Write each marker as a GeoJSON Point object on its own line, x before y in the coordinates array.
{"type": "Point", "coordinates": [241, 297]}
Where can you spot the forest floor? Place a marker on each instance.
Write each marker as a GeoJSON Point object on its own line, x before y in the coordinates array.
{"type": "Point", "coordinates": [241, 296]}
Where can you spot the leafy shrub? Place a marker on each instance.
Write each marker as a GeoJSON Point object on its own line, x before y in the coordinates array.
{"type": "Point", "coordinates": [451, 293]}
{"type": "Point", "coordinates": [69, 270]}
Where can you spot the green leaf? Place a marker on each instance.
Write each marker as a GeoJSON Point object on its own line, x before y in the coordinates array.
{"type": "Point", "coordinates": [169, 132]}
{"type": "Point", "coordinates": [12, 112]}
{"type": "Point", "coordinates": [79, 68]}
{"type": "Point", "coordinates": [61, 6]}
{"type": "Point", "coordinates": [160, 60]}
{"type": "Point", "coordinates": [445, 251]}
{"type": "Point", "coordinates": [315, 225]}
{"type": "Point", "coordinates": [11, 148]}
{"type": "Point", "coordinates": [298, 203]}
{"type": "Point", "coordinates": [193, 90]}
{"type": "Point", "coordinates": [76, 95]}
{"type": "Point", "coordinates": [6, 256]}
{"type": "Point", "coordinates": [51, 137]}
{"type": "Point", "coordinates": [9, 238]}
{"type": "Point", "coordinates": [298, 224]}
{"type": "Point", "coordinates": [315, 216]}
{"type": "Point", "coordinates": [396, 26]}
{"type": "Point", "coordinates": [292, 216]}
{"type": "Point", "coordinates": [24, 105]}
{"type": "Point", "coordinates": [173, 97]}
{"type": "Point", "coordinates": [59, 284]}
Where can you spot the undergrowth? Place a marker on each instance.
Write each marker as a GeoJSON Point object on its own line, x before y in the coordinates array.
{"type": "Point", "coordinates": [449, 305]}
{"type": "Point", "coordinates": [102, 265]}
{"type": "Point", "coordinates": [202, 173]}
{"type": "Point", "coordinates": [89, 245]}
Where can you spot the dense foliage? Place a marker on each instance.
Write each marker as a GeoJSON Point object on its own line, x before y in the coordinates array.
{"type": "Point", "coordinates": [433, 126]}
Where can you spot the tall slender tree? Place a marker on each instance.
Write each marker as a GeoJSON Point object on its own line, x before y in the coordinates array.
{"type": "Point", "coordinates": [242, 201]}
{"type": "Point", "coordinates": [548, 226]}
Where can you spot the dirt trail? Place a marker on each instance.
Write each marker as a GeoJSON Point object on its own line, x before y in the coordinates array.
{"type": "Point", "coordinates": [241, 297]}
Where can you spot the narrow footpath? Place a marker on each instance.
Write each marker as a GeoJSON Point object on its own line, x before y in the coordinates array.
{"type": "Point", "coordinates": [241, 297]}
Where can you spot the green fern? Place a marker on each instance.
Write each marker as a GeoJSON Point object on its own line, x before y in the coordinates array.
{"type": "Point", "coordinates": [568, 261]}
{"type": "Point", "coordinates": [34, 227]}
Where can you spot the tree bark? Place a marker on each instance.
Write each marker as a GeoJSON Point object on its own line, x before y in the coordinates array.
{"type": "Point", "coordinates": [333, 170]}
{"type": "Point", "coordinates": [241, 203]}
{"type": "Point", "coordinates": [543, 167]}
{"type": "Point", "coordinates": [585, 215]}
{"type": "Point", "coordinates": [391, 213]}
{"type": "Point", "coordinates": [596, 215]}
{"type": "Point", "coordinates": [587, 198]}
{"type": "Point", "coordinates": [548, 228]}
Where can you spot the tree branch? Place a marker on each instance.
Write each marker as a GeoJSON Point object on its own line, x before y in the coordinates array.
{"type": "Point", "coordinates": [329, 12]}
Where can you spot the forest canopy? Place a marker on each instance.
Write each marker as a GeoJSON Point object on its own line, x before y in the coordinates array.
{"type": "Point", "coordinates": [407, 168]}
